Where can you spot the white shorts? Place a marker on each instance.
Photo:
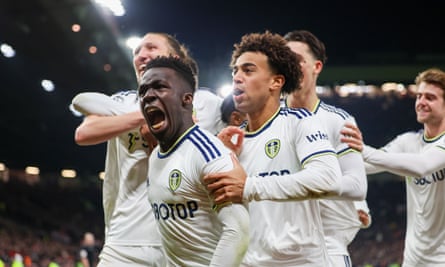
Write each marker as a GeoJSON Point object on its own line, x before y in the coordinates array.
{"type": "Point", "coordinates": [131, 256]}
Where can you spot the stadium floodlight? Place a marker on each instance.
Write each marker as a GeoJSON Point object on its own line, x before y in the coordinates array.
{"type": "Point", "coordinates": [68, 173]}
{"type": "Point", "coordinates": [115, 6]}
{"type": "Point", "coordinates": [48, 85]}
{"type": "Point", "coordinates": [32, 170]}
{"type": "Point", "coordinates": [7, 50]}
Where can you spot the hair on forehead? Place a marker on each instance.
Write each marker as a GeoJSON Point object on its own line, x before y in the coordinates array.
{"type": "Point", "coordinates": [281, 59]}
{"type": "Point", "coordinates": [181, 66]}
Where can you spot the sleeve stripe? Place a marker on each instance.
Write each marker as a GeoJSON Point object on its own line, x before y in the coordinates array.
{"type": "Point", "coordinates": [204, 145]}
{"type": "Point", "coordinates": [317, 154]}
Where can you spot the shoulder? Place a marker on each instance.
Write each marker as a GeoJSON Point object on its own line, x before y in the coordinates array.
{"type": "Point", "coordinates": [295, 113]}
{"type": "Point", "coordinates": [334, 111]}
{"type": "Point", "coordinates": [206, 144]}
{"type": "Point", "coordinates": [125, 96]}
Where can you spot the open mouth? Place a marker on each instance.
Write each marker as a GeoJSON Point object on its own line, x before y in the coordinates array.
{"type": "Point", "coordinates": [156, 117]}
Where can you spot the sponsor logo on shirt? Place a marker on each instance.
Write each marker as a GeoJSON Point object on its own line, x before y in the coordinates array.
{"type": "Point", "coordinates": [317, 136]}
{"type": "Point", "coordinates": [274, 173]}
{"type": "Point", "coordinates": [434, 178]}
{"type": "Point", "coordinates": [175, 211]}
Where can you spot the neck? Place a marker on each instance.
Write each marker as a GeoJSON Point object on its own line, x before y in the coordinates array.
{"type": "Point", "coordinates": [169, 141]}
{"type": "Point", "coordinates": [301, 99]}
{"type": "Point", "coordinates": [433, 130]}
{"type": "Point", "coordinates": [255, 120]}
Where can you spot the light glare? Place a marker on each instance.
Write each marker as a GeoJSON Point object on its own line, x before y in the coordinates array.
{"type": "Point", "coordinates": [48, 85]}
{"type": "Point", "coordinates": [133, 42]}
{"type": "Point", "coordinates": [7, 50]}
{"type": "Point", "coordinates": [115, 6]}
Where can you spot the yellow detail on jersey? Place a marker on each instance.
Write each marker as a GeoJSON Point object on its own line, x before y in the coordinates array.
{"type": "Point", "coordinates": [218, 207]}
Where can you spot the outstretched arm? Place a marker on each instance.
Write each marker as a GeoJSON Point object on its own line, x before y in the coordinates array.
{"type": "Point", "coordinates": [97, 129]}
{"type": "Point", "coordinates": [102, 121]}
{"type": "Point", "coordinates": [407, 164]}
{"type": "Point", "coordinates": [92, 103]}
{"type": "Point", "coordinates": [404, 164]}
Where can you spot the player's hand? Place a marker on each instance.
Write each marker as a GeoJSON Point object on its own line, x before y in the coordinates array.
{"type": "Point", "coordinates": [352, 136]}
{"type": "Point", "coordinates": [363, 216]}
{"type": "Point", "coordinates": [227, 186]}
{"type": "Point", "coordinates": [227, 136]}
{"type": "Point", "coordinates": [148, 137]}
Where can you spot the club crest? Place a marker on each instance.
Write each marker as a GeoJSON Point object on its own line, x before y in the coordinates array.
{"type": "Point", "coordinates": [174, 181]}
{"type": "Point", "coordinates": [272, 148]}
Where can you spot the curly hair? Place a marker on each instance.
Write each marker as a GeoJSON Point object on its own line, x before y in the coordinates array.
{"type": "Point", "coordinates": [281, 59]}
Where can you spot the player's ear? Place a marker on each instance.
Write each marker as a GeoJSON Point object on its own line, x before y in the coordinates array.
{"type": "Point", "coordinates": [187, 99]}
{"type": "Point", "coordinates": [278, 81]}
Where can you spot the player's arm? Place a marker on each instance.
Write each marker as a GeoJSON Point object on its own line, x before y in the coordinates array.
{"type": "Point", "coordinates": [102, 121]}
{"type": "Point", "coordinates": [353, 183]}
{"type": "Point", "coordinates": [318, 179]}
{"type": "Point", "coordinates": [234, 239]}
{"type": "Point", "coordinates": [406, 164]}
{"type": "Point", "coordinates": [97, 129]}
{"type": "Point", "coordinates": [235, 221]}
{"type": "Point", "coordinates": [91, 103]}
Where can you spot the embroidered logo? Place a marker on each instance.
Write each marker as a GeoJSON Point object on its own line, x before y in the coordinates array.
{"type": "Point", "coordinates": [174, 181]}
{"type": "Point", "coordinates": [272, 148]}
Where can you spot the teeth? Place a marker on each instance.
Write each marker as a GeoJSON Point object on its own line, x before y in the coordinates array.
{"type": "Point", "coordinates": [150, 109]}
{"type": "Point", "coordinates": [157, 126]}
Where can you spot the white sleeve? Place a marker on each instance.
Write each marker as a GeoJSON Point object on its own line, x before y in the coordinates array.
{"type": "Point", "coordinates": [353, 183]}
{"type": "Point", "coordinates": [318, 179]}
{"type": "Point", "coordinates": [406, 164]}
{"type": "Point", "coordinates": [235, 236]}
{"type": "Point", "coordinates": [99, 104]}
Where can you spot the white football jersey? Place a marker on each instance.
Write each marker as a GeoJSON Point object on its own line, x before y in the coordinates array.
{"type": "Point", "coordinates": [193, 233]}
{"type": "Point", "coordinates": [128, 215]}
{"type": "Point", "coordinates": [286, 233]}
{"type": "Point", "coordinates": [425, 232]}
{"type": "Point", "coordinates": [339, 217]}
{"type": "Point", "coordinates": [207, 110]}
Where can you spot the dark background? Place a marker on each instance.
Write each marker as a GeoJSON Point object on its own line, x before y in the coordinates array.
{"type": "Point", "coordinates": [366, 41]}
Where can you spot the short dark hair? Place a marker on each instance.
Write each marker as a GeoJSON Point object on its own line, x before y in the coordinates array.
{"type": "Point", "coordinates": [181, 51]}
{"type": "Point", "coordinates": [282, 60]}
{"type": "Point", "coordinates": [227, 107]}
{"type": "Point", "coordinates": [181, 66]}
{"type": "Point", "coordinates": [316, 46]}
